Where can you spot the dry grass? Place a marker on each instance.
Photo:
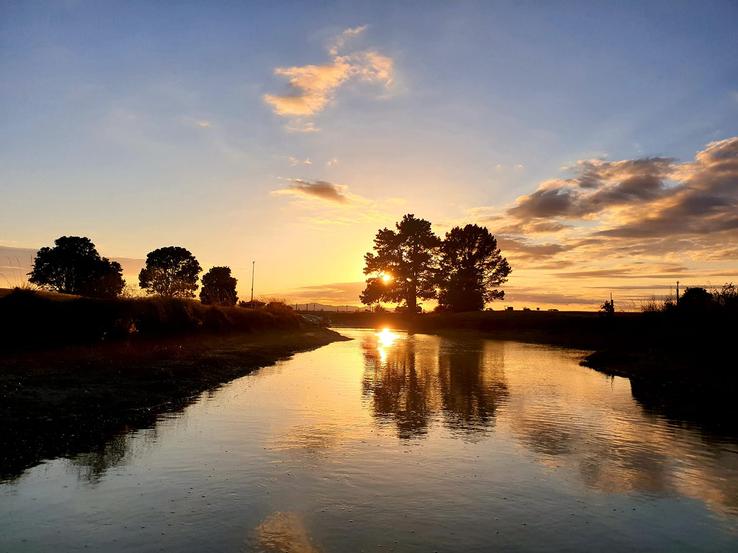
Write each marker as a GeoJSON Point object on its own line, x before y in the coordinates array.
{"type": "Point", "coordinates": [32, 318]}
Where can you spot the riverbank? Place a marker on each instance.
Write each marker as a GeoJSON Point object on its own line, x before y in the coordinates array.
{"type": "Point", "coordinates": [32, 320]}
{"type": "Point", "coordinates": [59, 401]}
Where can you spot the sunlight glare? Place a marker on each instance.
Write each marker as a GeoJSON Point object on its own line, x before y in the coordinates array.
{"type": "Point", "coordinates": [386, 337]}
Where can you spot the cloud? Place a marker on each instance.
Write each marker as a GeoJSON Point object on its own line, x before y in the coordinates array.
{"type": "Point", "coordinates": [524, 249]}
{"type": "Point", "coordinates": [643, 206]}
{"type": "Point", "coordinates": [313, 87]}
{"type": "Point", "coordinates": [533, 296]}
{"type": "Point", "coordinates": [332, 293]}
{"type": "Point", "coordinates": [319, 189]}
{"type": "Point", "coordinates": [597, 186]}
{"type": "Point", "coordinates": [347, 34]}
{"type": "Point", "coordinates": [705, 202]}
{"type": "Point", "coordinates": [323, 204]}
{"type": "Point", "coordinates": [300, 126]}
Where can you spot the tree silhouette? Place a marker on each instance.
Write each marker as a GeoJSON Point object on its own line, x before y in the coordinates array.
{"type": "Point", "coordinates": [403, 264]}
{"type": "Point", "coordinates": [472, 268]}
{"type": "Point", "coordinates": [171, 272]}
{"type": "Point", "coordinates": [608, 308]}
{"type": "Point", "coordinates": [73, 266]}
{"type": "Point", "coordinates": [696, 299]}
{"type": "Point", "coordinates": [219, 287]}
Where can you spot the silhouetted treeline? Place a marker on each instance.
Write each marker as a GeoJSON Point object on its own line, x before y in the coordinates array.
{"type": "Point", "coordinates": [698, 301]}
{"type": "Point", "coordinates": [73, 266]}
{"type": "Point", "coordinates": [463, 271]}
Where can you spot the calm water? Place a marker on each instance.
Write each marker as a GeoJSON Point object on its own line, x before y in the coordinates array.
{"type": "Point", "coordinates": [392, 442]}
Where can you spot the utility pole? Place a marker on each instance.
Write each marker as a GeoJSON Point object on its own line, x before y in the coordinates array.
{"type": "Point", "coordinates": [253, 267]}
{"type": "Point", "coordinates": [677, 293]}
{"type": "Point", "coordinates": [612, 303]}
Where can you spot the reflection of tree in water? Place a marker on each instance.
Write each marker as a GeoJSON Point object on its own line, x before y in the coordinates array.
{"type": "Point", "coordinates": [401, 387]}
{"type": "Point", "coordinates": [92, 444]}
{"type": "Point", "coordinates": [472, 385]}
{"type": "Point", "coordinates": [92, 465]}
{"type": "Point", "coordinates": [411, 381]}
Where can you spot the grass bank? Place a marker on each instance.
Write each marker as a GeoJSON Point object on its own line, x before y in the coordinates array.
{"type": "Point", "coordinates": [79, 375]}
{"type": "Point", "coordinates": [74, 400]}
{"type": "Point", "coordinates": [36, 320]}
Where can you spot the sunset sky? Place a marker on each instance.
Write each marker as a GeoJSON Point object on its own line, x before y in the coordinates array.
{"type": "Point", "coordinates": [598, 141]}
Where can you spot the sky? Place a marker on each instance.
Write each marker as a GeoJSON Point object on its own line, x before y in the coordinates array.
{"type": "Point", "coordinates": [597, 140]}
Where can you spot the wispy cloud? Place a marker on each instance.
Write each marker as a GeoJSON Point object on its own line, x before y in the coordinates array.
{"type": "Point", "coordinates": [294, 161]}
{"type": "Point", "coordinates": [300, 126]}
{"type": "Point", "coordinates": [331, 293]}
{"type": "Point", "coordinates": [312, 87]}
{"type": "Point", "coordinates": [321, 204]}
{"type": "Point", "coordinates": [319, 189]}
{"type": "Point", "coordinates": [347, 34]}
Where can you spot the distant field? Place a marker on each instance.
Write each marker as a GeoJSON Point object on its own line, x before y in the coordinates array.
{"type": "Point", "coordinates": [577, 328]}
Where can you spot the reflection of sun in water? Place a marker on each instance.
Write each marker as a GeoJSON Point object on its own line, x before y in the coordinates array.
{"type": "Point", "coordinates": [385, 339]}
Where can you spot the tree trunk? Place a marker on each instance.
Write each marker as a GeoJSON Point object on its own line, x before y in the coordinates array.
{"type": "Point", "coordinates": [412, 300]}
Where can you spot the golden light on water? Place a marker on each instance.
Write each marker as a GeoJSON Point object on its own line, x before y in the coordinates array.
{"type": "Point", "coordinates": [385, 339]}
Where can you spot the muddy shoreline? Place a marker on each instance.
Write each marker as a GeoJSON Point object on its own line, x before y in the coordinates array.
{"type": "Point", "coordinates": [64, 401]}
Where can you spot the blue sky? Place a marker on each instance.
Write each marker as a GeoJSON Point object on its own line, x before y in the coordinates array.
{"type": "Point", "coordinates": [147, 124]}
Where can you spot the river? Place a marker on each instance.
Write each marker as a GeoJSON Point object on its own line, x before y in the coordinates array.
{"type": "Point", "coordinates": [393, 442]}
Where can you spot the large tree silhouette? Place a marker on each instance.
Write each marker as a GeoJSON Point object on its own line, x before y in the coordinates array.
{"type": "Point", "coordinates": [73, 266]}
{"type": "Point", "coordinates": [219, 287]}
{"type": "Point", "coordinates": [472, 268]}
{"type": "Point", "coordinates": [171, 272]}
{"type": "Point", "coordinates": [403, 264]}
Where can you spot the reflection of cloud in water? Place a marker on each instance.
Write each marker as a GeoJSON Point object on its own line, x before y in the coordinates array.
{"type": "Point", "coordinates": [579, 420]}
{"type": "Point", "coordinates": [285, 533]}
{"type": "Point", "coordinates": [414, 380]}
{"type": "Point", "coordinates": [314, 440]}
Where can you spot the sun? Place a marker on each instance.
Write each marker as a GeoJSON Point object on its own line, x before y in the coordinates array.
{"type": "Point", "coordinates": [386, 277]}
